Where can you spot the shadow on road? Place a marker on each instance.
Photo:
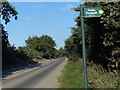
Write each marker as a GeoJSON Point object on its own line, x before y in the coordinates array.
{"type": "Point", "coordinates": [8, 72]}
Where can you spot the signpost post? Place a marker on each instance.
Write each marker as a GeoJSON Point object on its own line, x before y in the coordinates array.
{"type": "Point", "coordinates": [83, 48]}
{"type": "Point", "coordinates": [87, 12]}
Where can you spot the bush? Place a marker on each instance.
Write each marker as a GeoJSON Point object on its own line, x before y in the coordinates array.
{"type": "Point", "coordinates": [74, 58]}
{"type": "Point", "coordinates": [98, 77]}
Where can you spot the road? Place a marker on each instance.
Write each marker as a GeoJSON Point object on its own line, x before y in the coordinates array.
{"type": "Point", "coordinates": [44, 75]}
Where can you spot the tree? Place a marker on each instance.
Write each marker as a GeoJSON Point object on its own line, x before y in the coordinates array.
{"type": "Point", "coordinates": [40, 47]}
{"type": "Point", "coordinates": [105, 37]}
{"type": "Point", "coordinates": [102, 35]}
{"type": "Point", "coordinates": [7, 11]}
{"type": "Point", "coordinates": [61, 52]}
{"type": "Point", "coordinates": [5, 44]}
{"type": "Point", "coordinates": [8, 52]}
{"type": "Point", "coordinates": [73, 45]}
{"type": "Point", "coordinates": [10, 55]}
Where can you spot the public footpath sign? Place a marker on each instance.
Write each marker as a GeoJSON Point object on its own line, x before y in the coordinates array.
{"type": "Point", "coordinates": [93, 12]}
{"type": "Point", "coordinates": [87, 12]}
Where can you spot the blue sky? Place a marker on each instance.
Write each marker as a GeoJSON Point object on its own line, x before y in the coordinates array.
{"type": "Point", "coordinates": [42, 18]}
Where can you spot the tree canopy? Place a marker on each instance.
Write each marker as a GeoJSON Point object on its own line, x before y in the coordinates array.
{"type": "Point", "coordinates": [102, 35]}
{"type": "Point", "coordinates": [40, 47]}
{"type": "Point", "coordinates": [7, 11]}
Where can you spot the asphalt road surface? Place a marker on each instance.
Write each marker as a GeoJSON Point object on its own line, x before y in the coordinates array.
{"type": "Point", "coordinates": [44, 75]}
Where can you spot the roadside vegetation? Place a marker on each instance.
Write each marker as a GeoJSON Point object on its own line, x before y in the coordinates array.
{"type": "Point", "coordinates": [102, 46]}
{"type": "Point", "coordinates": [37, 49]}
{"type": "Point", "coordinates": [98, 77]}
{"type": "Point", "coordinates": [72, 76]}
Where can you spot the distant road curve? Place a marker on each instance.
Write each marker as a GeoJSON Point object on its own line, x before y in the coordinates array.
{"type": "Point", "coordinates": [43, 76]}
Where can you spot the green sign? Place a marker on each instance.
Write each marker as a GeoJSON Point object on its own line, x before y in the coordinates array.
{"type": "Point", "coordinates": [93, 12]}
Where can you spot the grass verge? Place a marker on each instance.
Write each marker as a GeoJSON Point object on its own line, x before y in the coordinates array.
{"type": "Point", "coordinates": [98, 77]}
{"type": "Point", "coordinates": [72, 76]}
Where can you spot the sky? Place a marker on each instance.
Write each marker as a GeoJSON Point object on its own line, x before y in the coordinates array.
{"type": "Point", "coordinates": [42, 18]}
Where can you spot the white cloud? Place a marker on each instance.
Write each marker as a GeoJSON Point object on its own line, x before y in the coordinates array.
{"type": "Point", "coordinates": [40, 6]}
{"type": "Point", "coordinates": [68, 7]}
{"type": "Point", "coordinates": [28, 18]}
